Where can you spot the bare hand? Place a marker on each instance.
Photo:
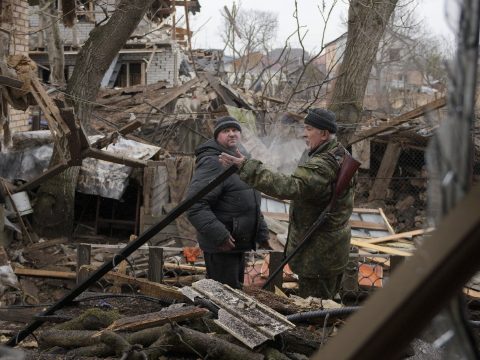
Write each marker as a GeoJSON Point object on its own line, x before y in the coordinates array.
{"type": "Point", "coordinates": [228, 245]}
{"type": "Point", "coordinates": [227, 160]}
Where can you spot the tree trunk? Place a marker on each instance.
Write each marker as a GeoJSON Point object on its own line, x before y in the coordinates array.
{"type": "Point", "coordinates": [56, 57]}
{"type": "Point", "coordinates": [366, 24]}
{"type": "Point", "coordinates": [55, 206]}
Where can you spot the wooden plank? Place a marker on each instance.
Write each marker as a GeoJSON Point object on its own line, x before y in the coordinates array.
{"type": "Point", "coordinates": [84, 252]}
{"type": "Point", "coordinates": [44, 244]}
{"type": "Point", "coordinates": [25, 231]}
{"type": "Point", "coordinates": [276, 216]}
{"type": "Point", "coordinates": [160, 102]}
{"type": "Point", "coordinates": [382, 249]}
{"type": "Point", "coordinates": [11, 82]}
{"type": "Point", "coordinates": [384, 261]}
{"type": "Point", "coordinates": [124, 130]}
{"type": "Point", "coordinates": [145, 287]}
{"type": "Point", "coordinates": [117, 159]}
{"type": "Point", "coordinates": [155, 265]}
{"type": "Point", "coordinates": [169, 315]}
{"type": "Point", "coordinates": [365, 211]}
{"type": "Point", "coordinates": [390, 229]}
{"type": "Point", "coordinates": [359, 224]}
{"type": "Point", "coordinates": [189, 3]}
{"type": "Point", "coordinates": [391, 124]}
{"type": "Point", "coordinates": [45, 273]}
{"type": "Point", "coordinates": [56, 169]}
{"type": "Point", "coordinates": [385, 172]}
{"type": "Point", "coordinates": [215, 83]}
{"type": "Point", "coordinates": [122, 269]}
{"type": "Point", "coordinates": [56, 124]}
{"type": "Point", "coordinates": [17, 315]}
{"type": "Point", "coordinates": [407, 234]}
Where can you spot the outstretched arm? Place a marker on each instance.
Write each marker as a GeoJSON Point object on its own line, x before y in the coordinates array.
{"type": "Point", "coordinates": [309, 181]}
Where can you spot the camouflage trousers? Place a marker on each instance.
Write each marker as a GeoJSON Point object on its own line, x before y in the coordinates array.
{"type": "Point", "coordinates": [320, 287]}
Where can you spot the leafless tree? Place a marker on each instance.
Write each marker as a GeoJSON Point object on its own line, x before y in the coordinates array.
{"type": "Point", "coordinates": [247, 33]}
{"type": "Point", "coordinates": [367, 21]}
{"type": "Point", "coordinates": [406, 48]}
{"type": "Point", "coordinates": [56, 58]}
{"type": "Point", "coordinates": [55, 198]}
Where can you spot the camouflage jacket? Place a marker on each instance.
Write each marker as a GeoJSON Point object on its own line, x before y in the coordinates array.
{"type": "Point", "coordinates": [310, 189]}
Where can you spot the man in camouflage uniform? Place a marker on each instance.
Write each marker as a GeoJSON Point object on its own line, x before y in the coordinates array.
{"type": "Point", "coordinates": [321, 263]}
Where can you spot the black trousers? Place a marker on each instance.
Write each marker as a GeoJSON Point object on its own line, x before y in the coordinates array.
{"type": "Point", "coordinates": [227, 268]}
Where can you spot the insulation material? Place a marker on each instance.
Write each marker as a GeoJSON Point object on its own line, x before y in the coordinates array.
{"type": "Point", "coordinates": [99, 177]}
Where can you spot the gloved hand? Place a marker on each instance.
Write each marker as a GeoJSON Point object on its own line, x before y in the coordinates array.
{"type": "Point", "coordinates": [228, 245]}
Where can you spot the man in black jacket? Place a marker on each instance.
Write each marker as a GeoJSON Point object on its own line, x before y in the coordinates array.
{"type": "Point", "coordinates": [228, 219]}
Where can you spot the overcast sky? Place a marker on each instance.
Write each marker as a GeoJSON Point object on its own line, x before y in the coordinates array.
{"type": "Point", "coordinates": [209, 21]}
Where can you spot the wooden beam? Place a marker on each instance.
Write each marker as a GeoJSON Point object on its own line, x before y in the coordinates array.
{"type": "Point", "coordinates": [188, 3]}
{"type": "Point", "coordinates": [70, 275]}
{"type": "Point", "coordinates": [384, 174]}
{"type": "Point", "coordinates": [358, 224]}
{"type": "Point", "coordinates": [168, 315]}
{"type": "Point", "coordinates": [276, 216]}
{"type": "Point", "coordinates": [44, 244]}
{"type": "Point", "coordinates": [124, 130]}
{"type": "Point", "coordinates": [57, 169]}
{"type": "Point", "coordinates": [107, 156]}
{"type": "Point", "coordinates": [60, 131]}
{"type": "Point", "coordinates": [382, 249]}
{"type": "Point", "coordinates": [407, 234]}
{"type": "Point", "coordinates": [366, 211]}
{"type": "Point", "coordinates": [392, 123]}
{"type": "Point", "coordinates": [165, 100]}
{"type": "Point", "coordinates": [215, 83]}
{"type": "Point", "coordinates": [10, 82]}
{"type": "Point", "coordinates": [390, 228]}
{"type": "Point", "coordinates": [145, 287]}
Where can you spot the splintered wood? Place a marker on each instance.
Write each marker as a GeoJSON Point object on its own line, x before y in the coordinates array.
{"type": "Point", "coordinates": [144, 321]}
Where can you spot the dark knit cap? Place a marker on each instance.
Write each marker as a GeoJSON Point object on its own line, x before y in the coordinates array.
{"type": "Point", "coordinates": [321, 119]}
{"type": "Point", "coordinates": [225, 122]}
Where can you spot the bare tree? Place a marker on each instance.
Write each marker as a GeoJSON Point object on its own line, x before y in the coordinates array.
{"type": "Point", "coordinates": [56, 58]}
{"type": "Point", "coordinates": [406, 49]}
{"type": "Point", "coordinates": [246, 33]}
{"type": "Point", "coordinates": [367, 21]}
{"type": "Point", "coordinates": [302, 84]}
{"type": "Point", "coordinates": [54, 208]}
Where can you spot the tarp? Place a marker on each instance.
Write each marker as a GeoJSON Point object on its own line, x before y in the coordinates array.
{"type": "Point", "coordinates": [99, 177]}
{"type": "Point", "coordinates": [26, 164]}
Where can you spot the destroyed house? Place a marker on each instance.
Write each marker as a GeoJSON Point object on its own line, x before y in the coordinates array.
{"type": "Point", "coordinates": [155, 51]}
{"type": "Point", "coordinates": [396, 81]}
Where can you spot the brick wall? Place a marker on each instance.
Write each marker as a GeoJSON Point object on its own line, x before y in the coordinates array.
{"type": "Point", "coordinates": [18, 45]}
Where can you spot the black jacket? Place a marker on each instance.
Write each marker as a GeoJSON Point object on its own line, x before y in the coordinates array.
{"type": "Point", "coordinates": [233, 207]}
